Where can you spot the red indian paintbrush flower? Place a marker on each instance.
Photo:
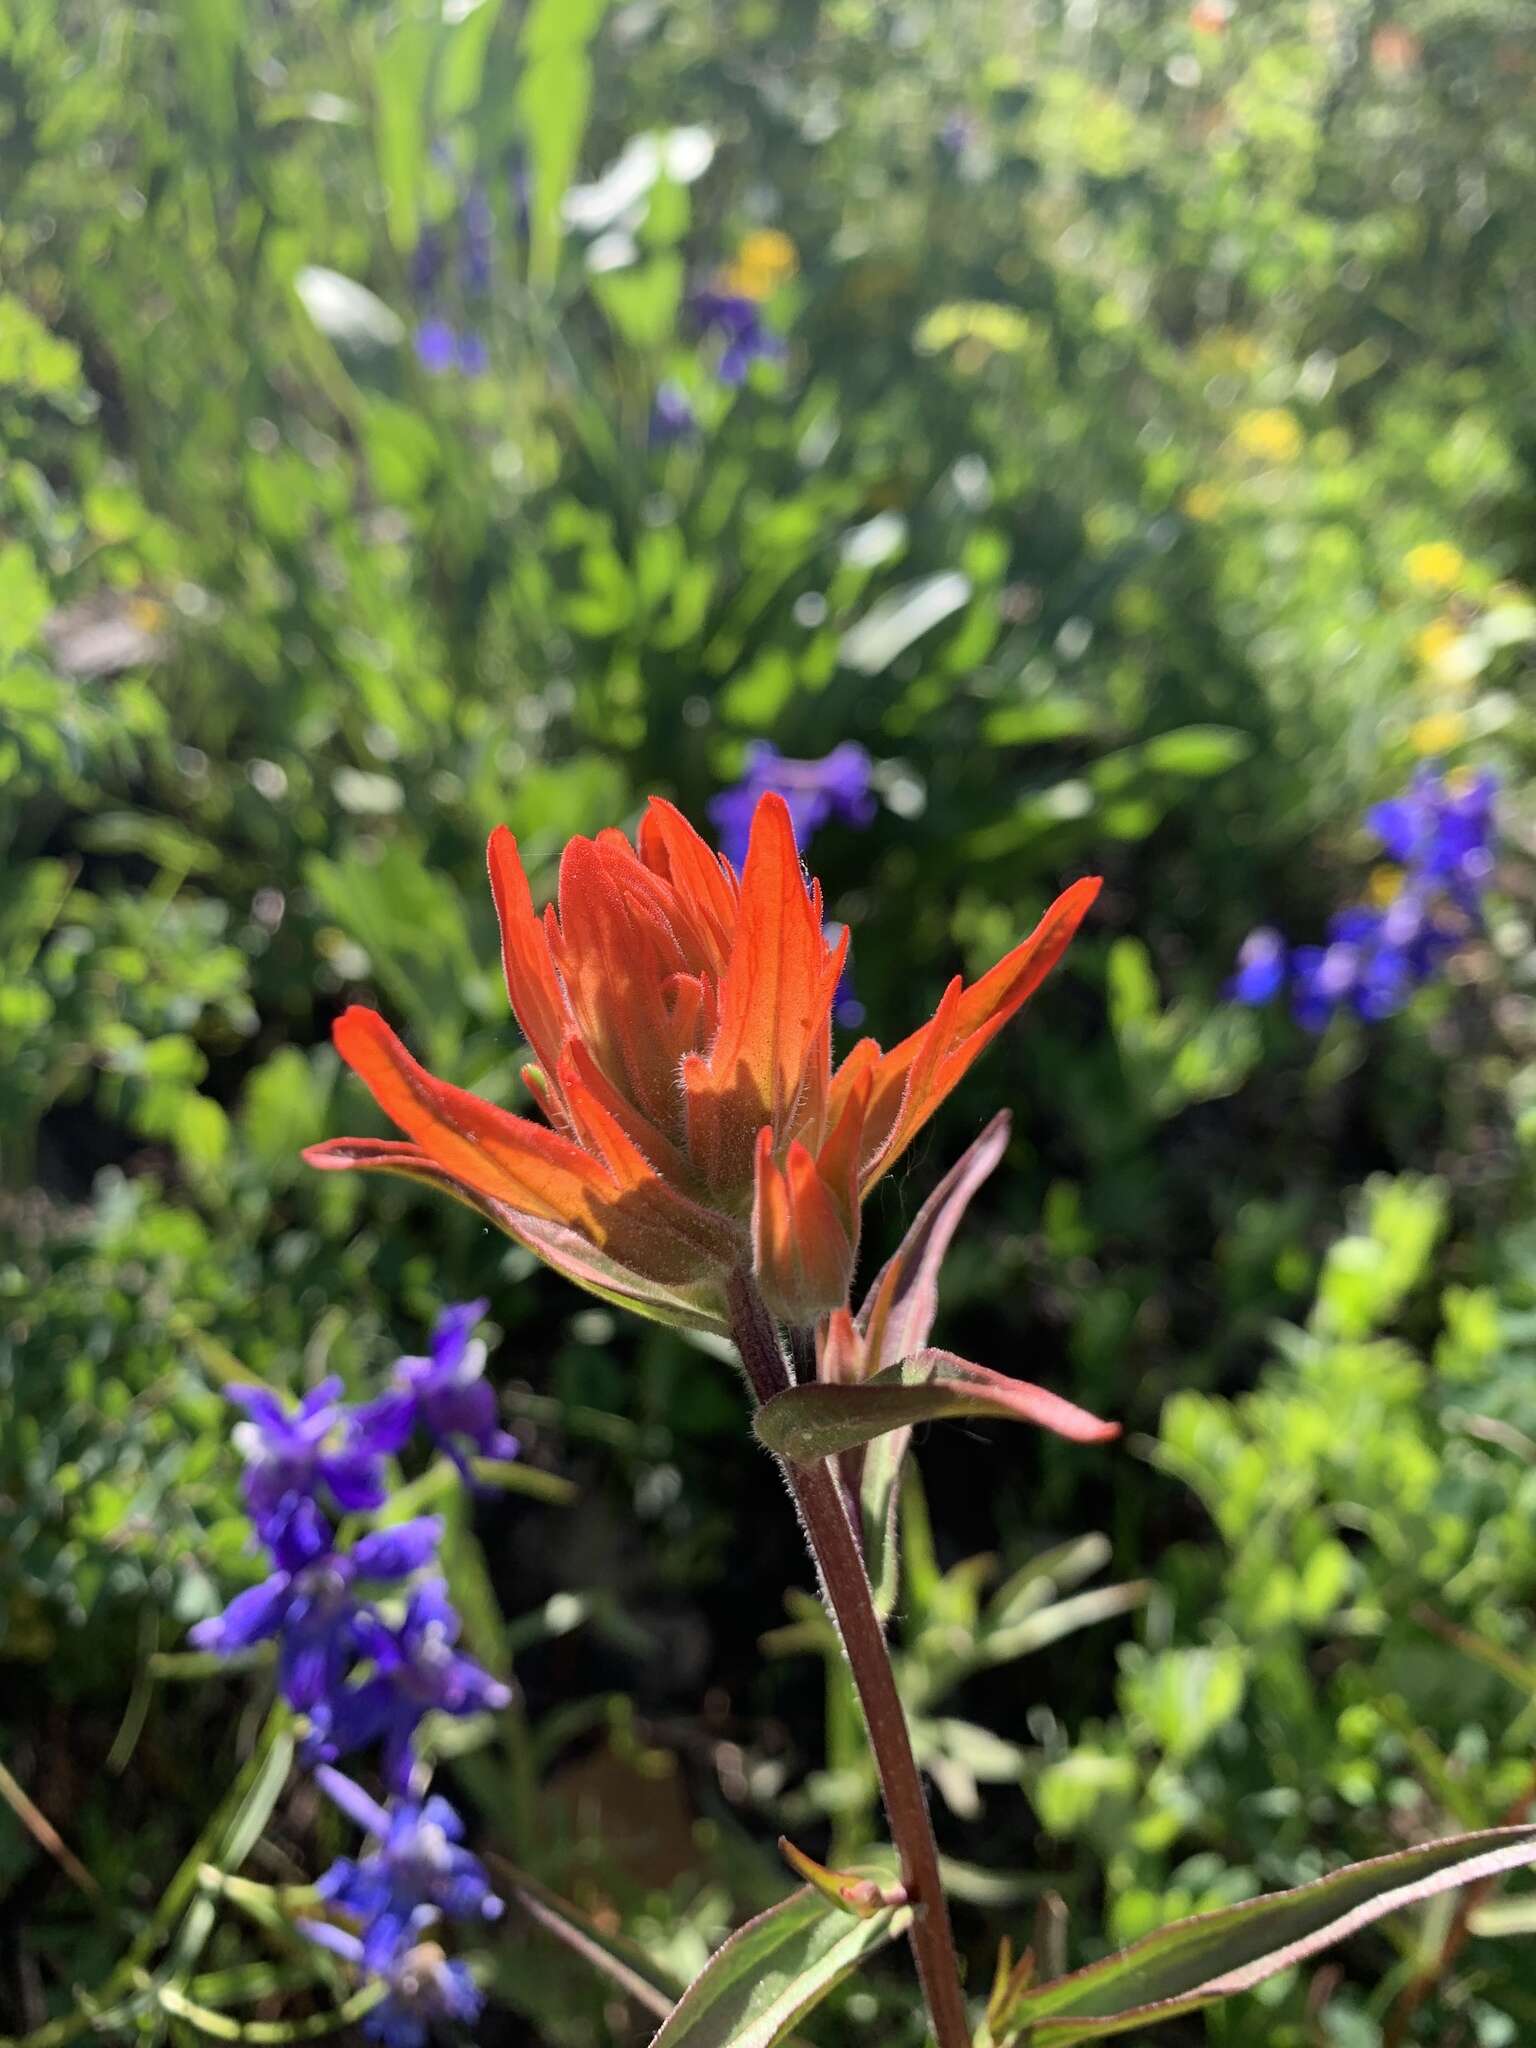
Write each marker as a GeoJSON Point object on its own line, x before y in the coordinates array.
{"type": "Point", "coordinates": [680, 1022]}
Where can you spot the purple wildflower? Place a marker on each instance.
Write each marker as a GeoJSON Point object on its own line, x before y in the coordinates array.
{"type": "Point", "coordinates": [1260, 972]}
{"type": "Point", "coordinates": [425, 1987]}
{"type": "Point", "coordinates": [418, 1671]}
{"type": "Point", "coordinates": [1441, 832]}
{"type": "Point", "coordinates": [441, 348]}
{"type": "Point", "coordinates": [447, 1393]}
{"type": "Point", "coordinates": [417, 1873]}
{"type": "Point", "coordinates": [428, 260]}
{"type": "Point", "coordinates": [301, 1453]}
{"type": "Point", "coordinates": [737, 322]}
{"type": "Point", "coordinates": [960, 139]}
{"type": "Point", "coordinates": [1375, 957]}
{"type": "Point", "coordinates": [847, 1010]}
{"type": "Point", "coordinates": [836, 786]}
{"type": "Point", "coordinates": [309, 1605]}
{"type": "Point", "coordinates": [358, 1677]}
{"type": "Point", "coordinates": [476, 240]}
{"type": "Point", "coordinates": [672, 417]}
{"type": "Point", "coordinates": [437, 346]}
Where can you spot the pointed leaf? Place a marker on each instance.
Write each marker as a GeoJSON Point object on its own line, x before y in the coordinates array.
{"type": "Point", "coordinates": [763, 1981]}
{"type": "Point", "coordinates": [623, 1963]}
{"type": "Point", "coordinates": [895, 1321]}
{"type": "Point", "coordinates": [1195, 1962]}
{"type": "Point", "coordinates": [862, 1896]}
{"type": "Point", "coordinates": [1046, 1625]}
{"type": "Point", "coordinates": [898, 1311]}
{"type": "Point", "coordinates": [818, 1420]}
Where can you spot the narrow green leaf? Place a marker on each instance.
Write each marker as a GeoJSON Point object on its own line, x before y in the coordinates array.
{"type": "Point", "coordinates": [511, 1477]}
{"type": "Point", "coordinates": [621, 1962]}
{"type": "Point", "coordinates": [1194, 1962]}
{"type": "Point", "coordinates": [1003, 1643]}
{"type": "Point", "coordinates": [822, 1418]}
{"type": "Point", "coordinates": [895, 1321]}
{"type": "Point", "coordinates": [210, 36]}
{"type": "Point", "coordinates": [765, 1979]}
{"type": "Point", "coordinates": [237, 1830]}
{"type": "Point", "coordinates": [1197, 750]}
{"type": "Point", "coordinates": [400, 74]}
{"type": "Point", "coordinates": [461, 72]}
{"type": "Point", "coordinates": [254, 1810]}
{"type": "Point", "coordinates": [554, 97]}
{"type": "Point", "coordinates": [894, 622]}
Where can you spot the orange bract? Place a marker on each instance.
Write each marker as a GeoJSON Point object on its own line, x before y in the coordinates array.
{"type": "Point", "coordinates": [680, 1022]}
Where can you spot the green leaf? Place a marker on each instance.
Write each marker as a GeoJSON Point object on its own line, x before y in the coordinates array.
{"type": "Point", "coordinates": [1002, 328]}
{"type": "Point", "coordinates": [1183, 1696]}
{"type": "Point", "coordinates": [822, 1418]}
{"type": "Point", "coordinates": [895, 1321]}
{"type": "Point", "coordinates": [400, 75]}
{"type": "Point", "coordinates": [620, 1961]}
{"type": "Point", "coordinates": [554, 97]}
{"type": "Point", "coordinates": [32, 358]}
{"type": "Point", "coordinates": [1215, 1955]}
{"type": "Point", "coordinates": [1001, 1644]}
{"type": "Point", "coordinates": [461, 70]}
{"type": "Point", "coordinates": [765, 1979]}
{"type": "Point", "coordinates": [283, 1109]}
{"type": "Point", "coordinates": [894, 622]}
{"type": "Point", "coordinates": [1196, 750]}
{"type": "Point", "coordinates": [642, 302]}
{"type": "Point", "coordinates": [24, 598]}
{"type": "Point", "coordinates": [210, 36]}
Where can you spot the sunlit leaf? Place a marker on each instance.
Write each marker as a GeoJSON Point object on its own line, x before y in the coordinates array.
{"type": "Point", "coordinates": [891, 625]}
{"type": "Point", "coordinates": [818, 1420]}
{"type": "Point", "coordinates": [1215, 1955]}
{"type": "Point", "coordinates": [769, 1974]}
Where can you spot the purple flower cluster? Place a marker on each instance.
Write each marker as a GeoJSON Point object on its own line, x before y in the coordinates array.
{"type": "Point", "coordinates": [733, 320]}
{"type": "Point", "coordinates": [736, 320]}
{"type": "Point", "coordinates": [416, 1875]}
{"type": "Point", "coordinates": [1440, 831]}
{"type": "Point", "coordinates": [836, 786]}
{"type": "Point", "coordinates": [673, 418]}
{"type": "Point", "coordinates": [452, 264]}
{"type": "Point", "coordinates": [361, 1676]}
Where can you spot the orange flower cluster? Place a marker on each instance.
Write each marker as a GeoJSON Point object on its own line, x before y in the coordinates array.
{"type": "Point", "coordinates": [680, 1021]}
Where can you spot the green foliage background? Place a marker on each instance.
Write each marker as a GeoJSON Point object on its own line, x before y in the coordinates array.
{"type": "Point", "coordinates": [1131, 354]}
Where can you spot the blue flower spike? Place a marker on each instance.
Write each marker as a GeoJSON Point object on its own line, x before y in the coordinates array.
{"type": "Point", "coordinates": [1440, 834]}
{"type": "Point", "coordinates": [362, 1676]}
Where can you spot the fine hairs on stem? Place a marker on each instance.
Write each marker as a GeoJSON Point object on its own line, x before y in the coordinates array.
{"type": "Point", "coordinates": [846, 1590]}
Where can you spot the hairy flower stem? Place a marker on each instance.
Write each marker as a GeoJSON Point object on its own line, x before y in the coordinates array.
{"type": "Point", "coordinates": [846, 1591]}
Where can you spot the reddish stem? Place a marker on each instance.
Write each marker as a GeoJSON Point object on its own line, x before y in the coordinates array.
{"type": "Point", "coordinates": [846, 1591]}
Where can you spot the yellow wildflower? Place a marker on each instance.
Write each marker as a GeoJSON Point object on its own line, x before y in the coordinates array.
{"type": "Point", "coordinates": [1272, 435]}
{"type": "Point", "coordinates": [1435, 565]}
{"type": "Point", "coordinates": [1438, 733]}
{"type": "Point", "coordinates": [766, 259]}
{"type": "Point", "coordinates": [1384, 884]}
{"type": "Point", "coordinates": [1204, 501]}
